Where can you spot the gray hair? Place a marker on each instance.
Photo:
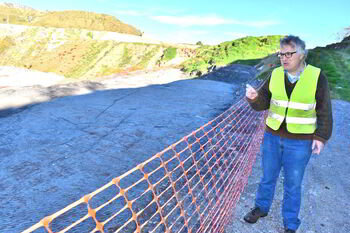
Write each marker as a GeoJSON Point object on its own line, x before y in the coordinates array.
{"type": "Point", "coordinates": [296, 42]}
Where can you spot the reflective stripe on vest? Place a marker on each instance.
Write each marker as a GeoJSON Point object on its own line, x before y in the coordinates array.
{"type": "Point", "coordinates": [295, 120]}
{"type": "Point", "coordinates": [294, 105]}
{"type": "Point", "coordinates": [298, 111]}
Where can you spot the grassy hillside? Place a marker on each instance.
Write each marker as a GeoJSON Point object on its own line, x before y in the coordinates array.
{"type": "Point", "coordinates": [74, 53]}
{"type": "Point", "coordinates": [81, 53]}
{"type": "Point", "coordinates": [335, 63]}
{"type": "Point", "coordinates": [64, 19]}
{"type": "Point", "coordinates": [248, 50]}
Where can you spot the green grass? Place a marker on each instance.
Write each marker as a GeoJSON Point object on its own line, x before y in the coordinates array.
{"type": "Point", "coordinates": [248, 50]}
{"type": "Point", "coordinates": [336, 66]}
{"type": "Point", "coordinates": [147, 57]}
{"type": "Point", "coordinates": [169, 53]}
{"type": "Point", "coordinates": [126, 58]}
{"type": "Point", "coordinates": [249, 62]}
{"type": "Point", "coordinates": [90, 34]}
{"type": "Point", "coordinates": [72, 33]}
{"type": "Point", "coordinates": [88, 60]}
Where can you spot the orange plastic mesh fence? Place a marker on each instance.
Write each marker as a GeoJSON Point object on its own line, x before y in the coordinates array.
{"type": "Point", "coordinates": [191, 186]}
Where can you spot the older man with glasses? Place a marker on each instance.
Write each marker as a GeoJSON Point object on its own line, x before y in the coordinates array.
{"type": "Point", "coordinates": [299, 123]}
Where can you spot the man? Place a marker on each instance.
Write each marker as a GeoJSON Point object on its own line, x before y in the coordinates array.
{"type": "Point", "coordinates": [299, 123]}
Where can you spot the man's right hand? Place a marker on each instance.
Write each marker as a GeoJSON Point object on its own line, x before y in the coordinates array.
{"type": "Point", "coordinates": [250, 92]}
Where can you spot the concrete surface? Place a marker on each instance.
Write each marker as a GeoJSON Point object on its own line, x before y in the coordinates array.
{"type": "Point", "coordinates": [52, 153]}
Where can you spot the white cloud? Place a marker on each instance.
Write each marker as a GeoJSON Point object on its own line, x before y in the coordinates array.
{"type": "Point", "coordinates": [192, 20]}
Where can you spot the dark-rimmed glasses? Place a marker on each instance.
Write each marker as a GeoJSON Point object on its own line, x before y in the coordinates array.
{"type": "Point", "coordinates": [287, 54]}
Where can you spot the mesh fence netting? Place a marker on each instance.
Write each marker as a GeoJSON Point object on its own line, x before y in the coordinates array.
{"type": "Point", "coordinates": [191, 186]}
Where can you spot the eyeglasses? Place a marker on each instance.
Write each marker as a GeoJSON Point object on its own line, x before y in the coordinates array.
{"type": "Point", "coordinates": [287, 54]}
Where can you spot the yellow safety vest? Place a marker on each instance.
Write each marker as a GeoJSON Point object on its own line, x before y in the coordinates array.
{"type": "Point", "coordinates": [298, 111]}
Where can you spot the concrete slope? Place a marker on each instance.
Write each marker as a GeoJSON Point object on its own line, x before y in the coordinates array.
{"type": "Point", "coordinates": [53, 153]}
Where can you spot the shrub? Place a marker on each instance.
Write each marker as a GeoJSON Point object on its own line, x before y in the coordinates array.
{"type": "Point", "coordinates": [169, 54]}
{"type": "Point", "coordinates": [90, 34]}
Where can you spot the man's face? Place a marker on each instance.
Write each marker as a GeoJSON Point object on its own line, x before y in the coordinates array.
{"type": "Point", "coordinates": [290, 58]}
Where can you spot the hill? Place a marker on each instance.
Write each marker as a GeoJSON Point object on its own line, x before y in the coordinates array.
{"type": "Point", "coordinates": [248, 50]}
{"type": "Point", "coordinates": [82, 53]}
{"type": "Point", "coordinates": [334, 60]}
{"type": "Point", "coordinates": [87, 54]}
{"type": "Point", "coordinates": [14, 14]}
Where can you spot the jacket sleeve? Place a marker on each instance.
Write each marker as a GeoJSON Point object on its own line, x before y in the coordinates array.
{"type": "Point", "coordinates": [262, 101]}
{"type": "Point", "coordinates": [323, 110]}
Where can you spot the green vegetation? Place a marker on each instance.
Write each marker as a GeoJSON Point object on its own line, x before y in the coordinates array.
{"type": "Point", "coordinates": [90, 34]}
{"type": "Point", "coordinates": [106, 70]}
{"type": "Point", "coordinates": [88, 59]}
{"type": "Point", "coordinates": [65, 52]}
{"type": "Point", "coordinates": [147, 57]}
{"type": "Point", "coordinates": [169, 53]}
{"type": "Point", "coordinates": [336, 65]}
{"type": "Point", "coordinates": [249, 62]}
{"type": "Point", "coordinates": [248, 50]}
{"type": "Point", "coordinates": [126, 58]}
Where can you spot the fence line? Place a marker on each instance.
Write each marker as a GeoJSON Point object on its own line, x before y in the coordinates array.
{"type": "Point", "coordinates": [191, 186]}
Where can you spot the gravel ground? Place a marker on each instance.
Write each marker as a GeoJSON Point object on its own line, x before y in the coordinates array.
{"type": "Point", "coordinates": [326, 196]}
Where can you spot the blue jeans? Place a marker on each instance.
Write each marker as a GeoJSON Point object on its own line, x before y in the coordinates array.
{"type": "Point", "coordinates": [293, 155]}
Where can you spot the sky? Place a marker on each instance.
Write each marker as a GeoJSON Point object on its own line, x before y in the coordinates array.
{"type": "Point", "coordinates": [318, 23]}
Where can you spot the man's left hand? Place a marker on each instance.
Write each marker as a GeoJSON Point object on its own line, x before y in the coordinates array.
{"type": "Point", "coordinates": [317, 146]}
